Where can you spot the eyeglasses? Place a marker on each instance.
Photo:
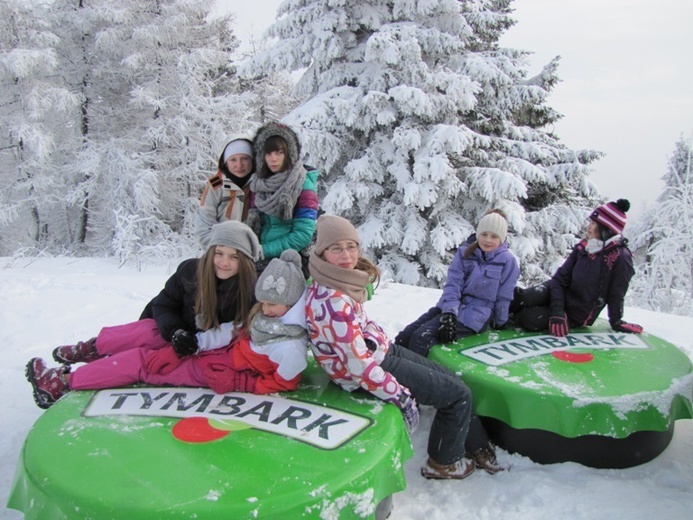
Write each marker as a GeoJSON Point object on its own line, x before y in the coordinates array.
{"type": "Point", "coordinates": [336, 249]}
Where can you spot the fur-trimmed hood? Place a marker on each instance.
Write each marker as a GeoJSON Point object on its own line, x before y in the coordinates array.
{"type": "Point", "coordinates": [267, 131]}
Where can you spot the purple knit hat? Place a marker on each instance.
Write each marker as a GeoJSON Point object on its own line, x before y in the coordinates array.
{"type": "Point", "coordinates": [612, 215]}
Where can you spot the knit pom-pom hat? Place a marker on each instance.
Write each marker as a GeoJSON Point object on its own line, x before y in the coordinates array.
{"type": "Point", "coordinates": [612, 215]}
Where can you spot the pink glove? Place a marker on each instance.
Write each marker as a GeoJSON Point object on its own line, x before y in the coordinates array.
{"type": "Point", "coordinates": [162, 361]}
{"type": "Point", "coordinates": [558, 326]}
{"type": "Point", "coordinates": [623, 326]}
{"type": "Point", "coordinates": [245, 381]}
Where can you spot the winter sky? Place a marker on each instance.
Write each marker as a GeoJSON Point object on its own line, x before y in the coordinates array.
{"type": "Point", "coordinates": [626, 76]}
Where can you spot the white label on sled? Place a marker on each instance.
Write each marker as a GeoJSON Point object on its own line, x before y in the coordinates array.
{"type": "Point", "coordinates": [507, 351]}
{"type": "Point", "coordinates": [318, 425]}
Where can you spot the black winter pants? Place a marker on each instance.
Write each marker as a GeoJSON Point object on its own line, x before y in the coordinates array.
{"type": "Point", "coordinates": [420, 335]}
{"type": "Point", "coordinates": [455, 429]}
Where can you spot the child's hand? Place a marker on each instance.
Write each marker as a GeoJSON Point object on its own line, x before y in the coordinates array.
{"type": "Point", "coordinates": [558, 326]}
{"type": "Point", "coordinates": [409, 410]}
{"type": "Point", "coordinates": [184, 342]}
{"type": "Point", "coordinates": [623, 326]}
{"type": "Point", "coordinates": [447, 330]}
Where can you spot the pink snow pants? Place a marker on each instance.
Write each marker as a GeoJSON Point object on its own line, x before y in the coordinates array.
{"type": "Point", "coordinates": [126, 348]}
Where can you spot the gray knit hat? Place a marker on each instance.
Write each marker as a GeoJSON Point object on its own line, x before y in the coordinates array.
{"type": "Point", "coordinates": [331, 229]}
{"type": "Point", "coordinates": [493, 223]}
{"type": "Point", "coordinates": [282, 280]}
{"type": "Point", "coordinates": [233, 233]}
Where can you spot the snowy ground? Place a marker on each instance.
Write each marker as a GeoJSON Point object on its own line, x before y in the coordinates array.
{"type": "Point", "coordinates": [48, 302]}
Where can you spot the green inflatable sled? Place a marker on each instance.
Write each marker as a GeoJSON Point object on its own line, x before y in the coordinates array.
{"type": "Point", "coordinates": [598, 397]}
{"type": "Point", "coordinates": [144, 453]}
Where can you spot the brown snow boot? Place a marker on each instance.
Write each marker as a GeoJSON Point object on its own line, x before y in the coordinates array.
{"type": "Point", "coordinates": [82, 352]}
{"type": "Point", "coordinates": [485, 458]}
{"type": "Point", "coordinates": [457, 470]}
{"type": "Point", "coordinates": [49, 384]}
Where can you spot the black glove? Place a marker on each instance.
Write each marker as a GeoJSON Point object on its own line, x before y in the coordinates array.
{"type": "Point", "coordinates": [447, 330]}
{"type": "Point", "coordinates": [184, 343]}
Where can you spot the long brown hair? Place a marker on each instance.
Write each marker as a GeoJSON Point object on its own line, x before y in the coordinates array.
{"type": "Point", "coordinates": [206, 293]}
{"type": "Point", "coordinates": [474, 246]}
{"type": "Point", "coordinates": [363, 264]}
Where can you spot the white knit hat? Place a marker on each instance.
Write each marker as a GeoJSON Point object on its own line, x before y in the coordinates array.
{"type": "Point", "coordinates": [282, 280]}
{"type": "Point", "coordinates": [237, 146]}
{"type": "Point", "coordinates": [233, 233]}
{"type": "Point", "coordinates": [493, 223]}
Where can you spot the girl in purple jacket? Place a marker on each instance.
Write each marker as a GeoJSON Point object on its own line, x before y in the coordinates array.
{"type": "Point", "coordinates": [477, 293]}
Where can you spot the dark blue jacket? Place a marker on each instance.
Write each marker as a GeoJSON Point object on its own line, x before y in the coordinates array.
{"type": "Point", "coordinates": [586, 283]}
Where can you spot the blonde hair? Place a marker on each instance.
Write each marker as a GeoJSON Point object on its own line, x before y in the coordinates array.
{"type": "Point", "coordinates": [206, 291]}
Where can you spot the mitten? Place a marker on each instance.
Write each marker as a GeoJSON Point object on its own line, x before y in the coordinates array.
{"type": "Point", "coordinates": [184, 342]}
{"type": "Point", "coordinates": [409, 409]}
{"type": "Point", "coordinates": [245, 381]}
{"type": "Point", "coordinates": [623, 326]}
{"type": "Point", "coordinates": [447, 330]}
{"type": "Point", "coordinates": [558, 326]}
{"type": "Point", "coordinates": [162, 361]}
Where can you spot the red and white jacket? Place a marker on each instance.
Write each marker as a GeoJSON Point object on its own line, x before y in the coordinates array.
{"type": "Point", "coordinates": [338, 329]}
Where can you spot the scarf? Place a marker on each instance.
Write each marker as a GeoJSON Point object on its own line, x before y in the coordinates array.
{"type": "Point", "coordinates": [264, 330]}
{"type": "Point", "coordinates": [351, 282]}
{"type": "Point", "coordinates": [277, 194]}
{"type": "Point", "coordinates": [594, 245]}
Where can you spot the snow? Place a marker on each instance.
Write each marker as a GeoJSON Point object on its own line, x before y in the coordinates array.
{"type": "Point", "coordinates": [52, 301]}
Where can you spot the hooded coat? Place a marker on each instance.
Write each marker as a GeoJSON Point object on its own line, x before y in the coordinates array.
{"type": "Point", "coordinates": [284, 219]}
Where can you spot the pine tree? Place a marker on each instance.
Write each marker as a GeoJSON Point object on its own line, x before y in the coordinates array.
{"type": "Point", "coordinates": [420, 122]}
{"type": "Point", "coordinates": [155, 92]}
{"type": "Point", "coordinates": [34, 106]}
{"type": "Point", "coordinates": [663, 240]}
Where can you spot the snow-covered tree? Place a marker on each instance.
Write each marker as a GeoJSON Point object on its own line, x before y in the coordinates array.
{"type": "Point", "coordinates": [157, 93]}
{"type": "Point", "coordinates": [34, 107]}
{"type": "Point", "coordinates": [663, 240]}
{"type": "Point", "coordinates": [420, 122]}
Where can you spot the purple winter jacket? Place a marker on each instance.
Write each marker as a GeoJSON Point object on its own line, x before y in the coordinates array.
{"type": "Point", "coordinates": [479, 289]}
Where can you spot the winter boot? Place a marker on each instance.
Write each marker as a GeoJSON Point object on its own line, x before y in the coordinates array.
{"type": "Point", "coordinates": [82, 352]}
{"type": "Point", "coordinates": [50, 384]}
{"type": "Point", "coordinates": [457, 470]}
{"type": "Point", "coordinates": [485, 458]}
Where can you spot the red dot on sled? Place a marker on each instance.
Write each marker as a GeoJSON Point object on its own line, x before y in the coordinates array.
{"type": "Point", "coordinates": [573, 357]}
{"type": "Point", "coordinates": [196, 429]}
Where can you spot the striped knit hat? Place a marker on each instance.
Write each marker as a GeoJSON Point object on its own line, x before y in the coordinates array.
{"type": "Point", "coordinates": [612, 215]}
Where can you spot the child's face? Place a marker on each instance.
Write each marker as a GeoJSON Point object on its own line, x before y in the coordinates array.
{"type": "Point", "coordinates": [225, 262]}
{"type": "Point", "coordinates": [239, 164]}
{"type": "Point", "coordinates": [344, 253]}
{"type": "Point", "coordinates": [275, 160]}
{"type": "Point", "coordinates": [592, 229]}
{"type": "Point", "coordinates": [488, 241]}
{"type": "Point", "coordinates": [274, 310]}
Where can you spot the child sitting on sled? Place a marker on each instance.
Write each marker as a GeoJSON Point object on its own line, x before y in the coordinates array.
{"type": "Point", "coordinates": [477, 292]}
{"type": "Point", "coordinates": [595, 275]}
{"type": "Point", "coordinates": [271, 359]}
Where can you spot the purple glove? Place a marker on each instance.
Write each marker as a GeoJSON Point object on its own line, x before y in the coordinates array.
{"type": "Point", "coordinates": [623, 326]}
{"type": "Point", "coordinates": [162, 361]}
{"type": "Point", "coordinates": [409, 409]}
{"type": "Point", "coordinates": [558, 326]}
